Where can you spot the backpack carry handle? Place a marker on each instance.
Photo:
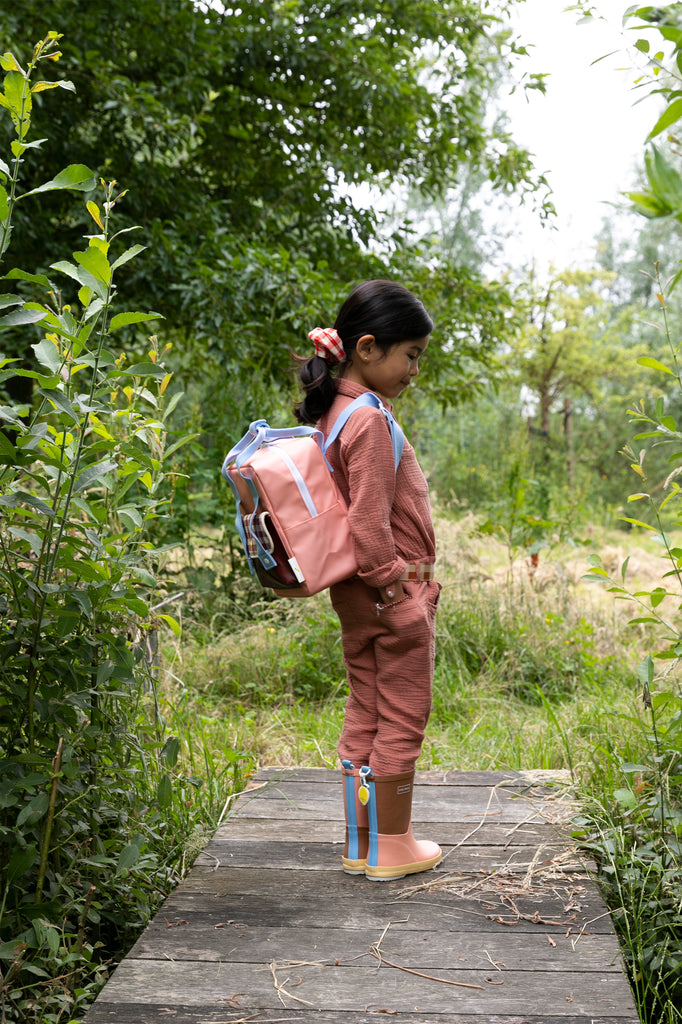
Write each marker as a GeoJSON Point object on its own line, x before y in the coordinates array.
{"type": "Point", "coordinates": [260, 433]}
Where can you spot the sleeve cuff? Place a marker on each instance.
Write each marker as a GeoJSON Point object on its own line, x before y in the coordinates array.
{"type": "Point", "coordinates": [385, 574]}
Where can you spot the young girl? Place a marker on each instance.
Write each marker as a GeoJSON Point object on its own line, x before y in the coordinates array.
{"type": "Point", "coordinates": [387, 611]}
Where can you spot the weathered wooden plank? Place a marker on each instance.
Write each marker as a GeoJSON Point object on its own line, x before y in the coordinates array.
{"type": "Point", "coordinates": [371, 907]}
{"type": "Point", "coordinates": [197, 939]}
{"type": "Point", "coordinates": [292, 787]}
{"type": "Point", "coordinates": [324, 857]}
{"type": "Point", "coordinates": [166, 1013]}
{"type": "Point", "coordinates": [433, 777]}
{"type": "Point", "coordinates": [299, 801]}
{"type": "Point", "coordinates": [491, 833]}
{"type": "Point", "coordinates": [355, 989]}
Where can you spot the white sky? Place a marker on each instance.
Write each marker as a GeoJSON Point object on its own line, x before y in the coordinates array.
{"type": "Point", "coordinates": [586, 133]}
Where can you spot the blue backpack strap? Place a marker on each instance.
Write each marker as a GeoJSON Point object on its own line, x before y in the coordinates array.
{"type": "Point", "coordinates": [369, 398]}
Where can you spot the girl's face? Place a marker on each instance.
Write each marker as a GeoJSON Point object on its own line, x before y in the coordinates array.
{"type": "Point", "coordinates": [388, 373]}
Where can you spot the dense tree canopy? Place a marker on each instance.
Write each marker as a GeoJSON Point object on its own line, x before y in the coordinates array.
{"type": "Point", "coordinates": [237, 132]}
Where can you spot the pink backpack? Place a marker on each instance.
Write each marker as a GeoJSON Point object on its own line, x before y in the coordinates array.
{"type": "Point", "coordinates": [291, 517]}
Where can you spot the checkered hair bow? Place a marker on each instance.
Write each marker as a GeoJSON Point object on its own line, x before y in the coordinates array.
{"type": "Point", "coordinates": [328, 344]}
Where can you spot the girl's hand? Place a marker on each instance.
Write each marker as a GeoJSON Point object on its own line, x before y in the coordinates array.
{"type": "Point", "coordinates": [392, 593]}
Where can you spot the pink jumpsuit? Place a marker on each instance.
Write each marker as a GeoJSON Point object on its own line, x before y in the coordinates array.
{"type": "Point", "coordinates": [388, 650]}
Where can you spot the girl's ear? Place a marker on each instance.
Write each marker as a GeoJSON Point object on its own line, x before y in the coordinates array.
{"type": "Point", "coordinates": [366, 347]}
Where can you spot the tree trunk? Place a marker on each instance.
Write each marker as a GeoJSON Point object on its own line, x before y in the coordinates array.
{"type": "Point", "coordinates": [568, 437]}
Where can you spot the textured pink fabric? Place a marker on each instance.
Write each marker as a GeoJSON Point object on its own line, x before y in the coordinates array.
{"type": "Point", "coordinates": [390, 513]}
{"type": "Point", "coordinates": [389, 653]}
{"type": "Point", "coordinates": [388, 649]}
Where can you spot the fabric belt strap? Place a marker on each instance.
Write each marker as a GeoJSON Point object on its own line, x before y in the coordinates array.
{"type": "Point", "coordinates": [419, 573]}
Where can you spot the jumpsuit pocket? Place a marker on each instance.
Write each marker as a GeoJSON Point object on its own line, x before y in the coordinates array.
{"type": "Point", "coordinates": [411, 611]}
{"type": "Point", "coordinates": [394, 604]}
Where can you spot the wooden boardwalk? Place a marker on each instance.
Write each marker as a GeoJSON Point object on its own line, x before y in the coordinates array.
{"type": "Point", "coordinates": [266, 927]}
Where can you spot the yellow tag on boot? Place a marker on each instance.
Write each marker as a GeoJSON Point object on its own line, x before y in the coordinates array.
{"type": "Point", "coordinates": [363, 795]}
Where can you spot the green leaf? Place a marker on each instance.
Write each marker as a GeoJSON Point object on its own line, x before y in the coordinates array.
{"type": "Point", "coordinates": [645, 670]}
{"type": "Point", "coordinates": [131, 518]}
{"type": "Point", "coordinates": [34, 541]}
{"type": "Point", "coordinates": [626, 798]}
{"type": "Point", "coordinates": [19, 148]}
{"type": "Point", "coordinates": [75, 176]}
{"type": "Point", "coordinates": [143, 370]}
{"type": "Point", "coordinates": [21, 275]}
{"type": "Point", "coordinates": [34, 810]}
{"type": "Point", "coordinates": [46, 935]}
{"type": "Point", "coordinates": [93, 475]}
{"type": "Point", "coordinates": [12, 949]}
{"type": "Point", "coordinates": [637, 522]}
{"type": "Point", "coordinates": [95, 262]}
{"type": "Point", "coordinates": [654, 364]}
{"type": "Point", "coordinates": [47, 355]}
{"type": "Point", "coordinates": [94, 211]}
{"type": "Point", "coordinates": [22, 316]}
{"type": "Point", "coordinates": [9, 455]}
{"type": "Point", "coordinates": [664, 179]}
{"type": "Point", "coordinates": [8, 62]}
{"type": "Point", "coordinates": [21, 861]}
{"type": "Point", "coordinates": [20, 498]}
{"type": "Point", "coordinates": [173, 623]}
{"type": "Point", "coordinates": [672, 114]}
{"type": "Point", "coordinates": [164, 791]}
{"type": "Point", "coordinates": [648, 205]}
{"type": "Point", "coordinates": [123, 319]}
{"type": "Point", "coordinates": [84, 601]}
{"type": "Point", "coordinates": [66, 268]}
{"type": "Point", "coordinates": [171, 750]}
{"type": "Point", "coordinates": [129, 855]}
{"type": "Point", "coordinates": [17, 99]}
{"type": "Point", "coordinates": [60, 402]}
{"type": "Point", "coordinates": [129, 254]}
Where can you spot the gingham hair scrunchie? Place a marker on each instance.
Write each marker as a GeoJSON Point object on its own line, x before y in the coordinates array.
{"type": "Point", "coordinates": [328, 344]}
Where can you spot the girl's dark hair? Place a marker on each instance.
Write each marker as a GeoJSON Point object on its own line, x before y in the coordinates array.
{"type": "Point", "coordinates": [386, 310]}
